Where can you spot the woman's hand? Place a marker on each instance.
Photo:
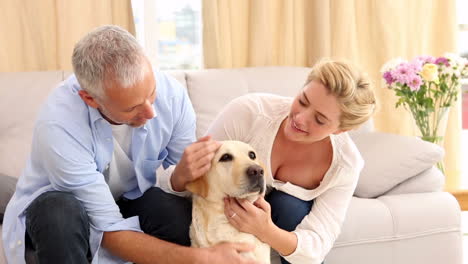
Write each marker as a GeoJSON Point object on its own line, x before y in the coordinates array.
{"type": "Point", "coordinates": [250, 218]}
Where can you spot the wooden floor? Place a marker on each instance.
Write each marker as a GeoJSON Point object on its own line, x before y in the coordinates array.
{"type": "Point", "coordinates": [462, 197]}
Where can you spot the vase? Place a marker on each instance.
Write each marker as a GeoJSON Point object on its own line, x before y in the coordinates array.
{"type": "Point", "coordinates": [432, 126]}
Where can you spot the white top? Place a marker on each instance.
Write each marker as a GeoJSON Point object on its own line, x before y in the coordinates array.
{"type": "Point", "coordinates": [120, 172]}
{"type": "Point", "coordinates": [256, 119]}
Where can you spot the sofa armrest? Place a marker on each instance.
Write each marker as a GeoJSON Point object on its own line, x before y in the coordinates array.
{"type": "Point", "coordinates": [404, 228]}
{"type": "Point", "coordinates": [430, 180]}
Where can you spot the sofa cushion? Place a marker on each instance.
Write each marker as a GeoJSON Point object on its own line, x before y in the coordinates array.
{"type": "Point", "coordinates": [179, 76]}
{"type": "Point", "coordinates": [22, 95]}
{"type": "Point", "coordinates": [2, 253]}
{"type": "Point", "coordinates": [367, 126]}
{"type": "Point", "coordinates": [398, 216]}
{"type": "Point", "coordinates": [403, 229]}
{"type": "Point", "coordinates": [226, 84]}
{"type": "Point", "coordinates": [391, 159]}
{"type": "Point", "coordinates": [7, 188]}
{"type": "Point", "coordinates": [430, 180]}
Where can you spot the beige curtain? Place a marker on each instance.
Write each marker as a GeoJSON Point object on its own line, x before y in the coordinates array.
{"type": "Point", "coordinates": [39, 35]}
{"type": "Point", "coordinates": [242, 33]}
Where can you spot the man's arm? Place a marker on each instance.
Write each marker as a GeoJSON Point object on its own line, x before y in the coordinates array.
{"type": "Point", "coordinates": [142, 248]}
{"type": "Point", "coordinates": [231, 124]}
{"type": "Point", "coordinates": [145, 249]}
{"type": "Point", "coordinates": [70, 166]}
{"type": "Point", "coordinates": [191, 159]}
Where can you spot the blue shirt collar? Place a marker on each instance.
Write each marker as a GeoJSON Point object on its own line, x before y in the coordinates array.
{"type": "Point", "coordinates": [94, 114]}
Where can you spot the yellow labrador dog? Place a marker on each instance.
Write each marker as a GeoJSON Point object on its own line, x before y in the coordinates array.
{"type": "Point", "coordinates": [235, 172]}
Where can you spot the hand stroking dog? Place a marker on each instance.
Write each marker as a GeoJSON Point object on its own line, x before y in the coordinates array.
{"type": "Point", "coordinates": [235, 172]}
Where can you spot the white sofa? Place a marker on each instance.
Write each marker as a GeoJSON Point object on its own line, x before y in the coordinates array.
{"type": "Point", "coordinates": [409, 221]}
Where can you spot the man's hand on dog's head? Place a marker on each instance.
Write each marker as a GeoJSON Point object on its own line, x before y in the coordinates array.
{"type": "Point", "coordinates": [195, 162]}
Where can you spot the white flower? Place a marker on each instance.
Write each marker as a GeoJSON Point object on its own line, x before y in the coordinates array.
{"type": "Point", "coordinates": [450, 70]}
{"type": "Point", "coordinates": [465, 71]}
{"type": "Point", "coordinates": [391, 64]}
{"type": "Point", "coordinates": [457, 65]}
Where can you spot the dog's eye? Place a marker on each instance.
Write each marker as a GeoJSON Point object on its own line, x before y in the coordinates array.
{"type": "Point", "coordinates": [225, 157]}
{"type": "Point", "coordinates": [252, 155]}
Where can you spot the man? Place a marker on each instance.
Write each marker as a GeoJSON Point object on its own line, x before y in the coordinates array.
{"type": "Point", "coordinates": [87, 191]}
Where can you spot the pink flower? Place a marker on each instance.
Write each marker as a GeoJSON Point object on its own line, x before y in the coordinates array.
{"type": "Point", "coordinates": [404, 73]}
{"type": "Point", "coordinates": [425, 59]}
{"type": "Point", "coordinates": [415, 83]}
{"type": "Point", "coordinates": [416, 66]}
{"type": "Point", "coordinates": [388, 77]}
{"type": "Point", "coordinates": [442, 60]}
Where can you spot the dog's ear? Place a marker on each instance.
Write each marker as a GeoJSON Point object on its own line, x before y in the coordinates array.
{"type": "Point", "coordinates": [198, 186]}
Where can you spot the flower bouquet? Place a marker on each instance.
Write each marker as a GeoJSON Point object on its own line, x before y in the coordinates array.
{"type": "Point", "coordinates": [427, 87]}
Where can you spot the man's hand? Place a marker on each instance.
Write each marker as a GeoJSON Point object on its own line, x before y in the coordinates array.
{"type": "Point", "coordinates": [228, 253]}
{"type": "Point", "coordinates": [142, 248]}
{"type": "Point", "coordinates": [195, 162]}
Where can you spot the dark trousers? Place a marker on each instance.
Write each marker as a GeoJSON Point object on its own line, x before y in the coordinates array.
{"type": "Point", "coordinates": [57, 227]}
{"type": "Point", "coordinates": [287, 211]}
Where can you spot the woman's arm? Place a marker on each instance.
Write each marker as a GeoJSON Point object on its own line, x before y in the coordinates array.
{"type": "Point", "coordinates": [255, 219]}
{"type": "Point", "coordinates": [319, 229]}
{"type": "Point", "coordinates": [313, 238]}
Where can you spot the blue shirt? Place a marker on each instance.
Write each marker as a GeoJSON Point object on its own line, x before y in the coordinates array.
{"type": "Point", "coordinates": [72, 146]}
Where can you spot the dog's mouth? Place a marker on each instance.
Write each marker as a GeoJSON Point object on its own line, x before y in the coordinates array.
{"type": "Point", "coordinates": [251, 185]}
{"type": "Point", "coordinates": [252, 190]}
{"type": "Point", "coordinates": [258, 186]}
{"type": "Point", "coordinates": [251, 196]}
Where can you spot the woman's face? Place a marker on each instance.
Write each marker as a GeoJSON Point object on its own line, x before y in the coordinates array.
{"type": "Point", "coordinates": [314, 115]}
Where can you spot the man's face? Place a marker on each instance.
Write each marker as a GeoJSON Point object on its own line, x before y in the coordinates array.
{"type": "Point", "coordinates": [132, 106]}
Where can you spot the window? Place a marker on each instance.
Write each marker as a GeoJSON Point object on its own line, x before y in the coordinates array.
{"type": "Point", "coordinates": [170, 32]}
{"type": "Point", "coordinates": [462, 8]}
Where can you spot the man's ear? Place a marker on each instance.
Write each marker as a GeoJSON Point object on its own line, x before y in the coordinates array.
{"type": "Point", "coordinates": [198, 187]}
{"type": "Point", "coordinates": [88, 99]}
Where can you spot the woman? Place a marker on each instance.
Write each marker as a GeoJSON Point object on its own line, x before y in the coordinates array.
{"type": "Point", "coordinates": [312, 165]}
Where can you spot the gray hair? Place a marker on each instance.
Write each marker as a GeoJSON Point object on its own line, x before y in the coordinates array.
{"type": "Point", "coordinates": [108, 53]}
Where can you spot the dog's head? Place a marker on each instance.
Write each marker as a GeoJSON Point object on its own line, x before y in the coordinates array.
{"type": "Point", "coordinates": [235, 171]}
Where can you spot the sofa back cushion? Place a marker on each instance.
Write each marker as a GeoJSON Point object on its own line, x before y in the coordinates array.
{"type": "Point", "coordinates": [22, 95]}
{"type": "Point", "coordinates": [210, 90]}
{"type": "Point", "coordinates": [391, 159]}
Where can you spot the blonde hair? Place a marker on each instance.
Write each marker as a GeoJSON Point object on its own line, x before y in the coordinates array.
{"type": "Point", "coordinates": [351, 88]}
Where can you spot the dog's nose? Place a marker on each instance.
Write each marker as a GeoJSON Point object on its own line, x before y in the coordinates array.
{"type": "Point", "coordinates": [255, 171]}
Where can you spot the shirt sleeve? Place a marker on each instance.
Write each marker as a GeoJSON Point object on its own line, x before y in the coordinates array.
{"type": "Point", "coordinates": [70, 166]}
{"type": "Point", "coordinates": [182, 136]}
{"type": "Point", "coordinates": [163, 181]}
{"type": "Point", "coordinates": [318, 231]}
